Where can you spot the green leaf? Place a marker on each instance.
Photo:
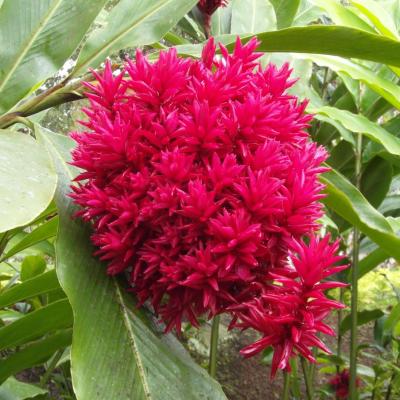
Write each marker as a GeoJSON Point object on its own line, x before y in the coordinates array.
{"type": "Point", "coordinates": [27, 179]}
{"type": "Point", "coordinates": [40, 36]}
{"type": "Point", "coordinates": [387, 89]}
{"type": "Point", "coordinates": [378, 15]}
{"type": "Point", "coordinates": [221, 20]}
{"type": "Point", "coordinates": [363, 317]}
{"type": "Point", "coordinates": [42, 232]}
{"type": "Point", "coordinates": [12, 389]}
{"type": "Point", "coordinates": [32, 266]}
{"type": "Point", "coordinates": [376, 179]}
{"type": "Point", "coordinates": [359, 123]}
{"type": "Point", "coordinates": [56, 315]}
{"type": "Point", "coordinates": [342, 15]}
{"type": "Point", "coordinates": [131, 23]}
{"type": "Point", "coordinates": [347, 201]}
{"type": "Point", "coordinates": [139, 364]}
{"type": "Point", "coordinates": [285, 11]}
{"type": "Point", "coordinates": [34, 354]}
{"type": "Point", "coordinates": [334, 40]}
{"type": "Point", "coordinates": [252, 16]}
{"type": "Point", "coordinates": [392, 319]}
{"type": "Point", "coordinates": [368, 263]}
{"type": "Point", "coordinates": [36, 286]}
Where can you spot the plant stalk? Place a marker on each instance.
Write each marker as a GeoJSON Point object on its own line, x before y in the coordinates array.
{"type": "Point", "coordinates": [286, 385]}
{"type": "Point", "coordinates": [212, 366]}
{"type": "Point", "coordinates": [354, 284]}
{"type": "Point", "coordinates": [50, 369]}
{"type": "Point", "coordinates": [307, 379]}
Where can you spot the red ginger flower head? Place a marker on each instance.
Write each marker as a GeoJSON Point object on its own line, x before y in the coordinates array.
{"type": "Point", "coordinates": [289, 312]}
{"type": "Point", "coordinates": [340, 384]}
{"type": "Point", "coordinates": [197, 176]}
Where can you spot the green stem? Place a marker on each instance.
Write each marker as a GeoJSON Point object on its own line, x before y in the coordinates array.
{"type": "Point", "coordinates": [339, 337]}
{"type": "Point", "coordinates": [374, 389]}
{"type": "Point", "coordinates": [307, 379]}
{"type": "Point", "coordinates": [212, 366]}
{"type": "Point", "coordinates": [49, 370]}
{"type": "Point", "coordinates": [354, 283]}
{"type": "Point", "coordinates": [295, 381]}
{"type": "Point", "coordinates": [286, 385]}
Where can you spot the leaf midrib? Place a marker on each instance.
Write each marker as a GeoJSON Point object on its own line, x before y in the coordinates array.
{"type": "Point", "coordinates": [31, 40]}
{"type": "Point", "coordinates": [121, 34]}
{"type": "Point", "coordinates": [132, 340]}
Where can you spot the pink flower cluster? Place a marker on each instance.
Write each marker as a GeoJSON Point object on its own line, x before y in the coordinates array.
{"type": "Point", "coordinates": [200, 180]}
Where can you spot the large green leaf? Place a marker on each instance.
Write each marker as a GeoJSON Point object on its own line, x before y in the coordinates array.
{"type": "Point", "coordinates": [252, 16]}
{"type": "Point", "coordinates": [126, 356]}
{"type": "Point", "coordinates": [331, 40]}
{"type": "Point", "coordinates": [27, 179]}
{"type": "Point", "coordinates": [56, 315]}
{"type": "Point", "coordinates": [36, 286]}
{"type": "Point", "coordinates": [131, 23]}
{"type": "Point", "coordinates": [34, 353]}
{"type": "Point", "coordinates": [361, 124]}
{"type": "Point", "coordinates": [334, 40]}
{"type": "Point", "coordinates": [37, 37]}
{"type": "Point", "coordinates": [347, 201]}
{"type": "Point", "coordinates": [285, 11]}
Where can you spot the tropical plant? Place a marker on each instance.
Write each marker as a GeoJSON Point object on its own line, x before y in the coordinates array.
{"type": "Point", "coordinates": [80, 331]}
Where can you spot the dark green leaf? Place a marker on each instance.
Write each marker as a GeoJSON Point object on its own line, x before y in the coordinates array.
{"type": "Point", "coordinates": [34, 354]}
{"type": "Point", "coordinates": [36, 286]}
{"type": "Point", "coordinates": [376, 179]}
{"type": "Point", "coordinates": [347, 201]}
{"type": "Point", "coordinates": [56, 315]}
{"type": "Point", "coordinates": [363, 317]}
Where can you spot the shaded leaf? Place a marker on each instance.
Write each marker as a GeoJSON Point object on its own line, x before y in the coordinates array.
{"type": "Point", "coordinates": [36, 286]}
{"type": "Point", "coordinates": [56, 315]}
{"type": "Point", "coordinates": [34, 353]}
{"type": "Point", "coordinates": [347, 201]}
{"type": "Point", "coordinates": [13, 389]}
{"type": "Point", "coordinates": [363, 317]}
{"type": "Point", "coordinates": [376, 179]}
